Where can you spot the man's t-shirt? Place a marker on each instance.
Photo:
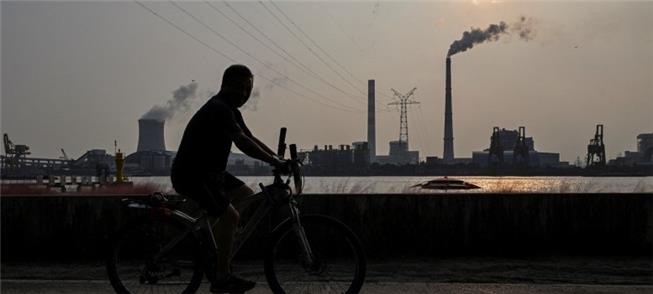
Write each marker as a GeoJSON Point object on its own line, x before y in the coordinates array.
{"type": "Point", "coordinates": [206, 142]}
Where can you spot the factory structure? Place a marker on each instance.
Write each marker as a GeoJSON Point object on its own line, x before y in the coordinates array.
{"type": "Point", "coordinates": [511, 148]}
{"type": "Point", "coordinates": [363, 153]}
{"type": "Point", "coordinates": [642, 157]}
{"type": "Point", "coordinates": [151, 156]}
{"type": "Point", "coordinates": [16, 163]}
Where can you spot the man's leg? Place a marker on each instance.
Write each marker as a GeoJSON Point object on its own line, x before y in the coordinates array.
{"type": "Point", "coordinates": [225, 229]}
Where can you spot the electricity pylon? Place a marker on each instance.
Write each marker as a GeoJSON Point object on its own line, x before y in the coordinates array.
{"type": "Point", "coordinates": [403, 121]}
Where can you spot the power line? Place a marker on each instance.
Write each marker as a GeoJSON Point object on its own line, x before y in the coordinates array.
{"type": "Point", "coordinates": [324, 51]}
{"type": "Point", "coordinates": [252, 56]}
{"type": "Point", "coordinates": [264, 35]}
{"type": "Point", "coordinates": [234, 60]}
{"type": "Point", "coordinates": [302, 67]}
{"type": "Point", "coordinates": [235, 11]}
{"type": "Point", "coordinates": [185, 32]}
{"type": "Point", "coordinates": [316, 45]}
{"type": "Point", "coordinates": [269, 39]}
{"type": "Point", "coordinates": [306, 46]}
{"type": "Point", "coordinates": [344, 32]}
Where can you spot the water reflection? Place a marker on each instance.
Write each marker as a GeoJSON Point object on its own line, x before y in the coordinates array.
{"type": "Point", "coordinates": [368, 185]}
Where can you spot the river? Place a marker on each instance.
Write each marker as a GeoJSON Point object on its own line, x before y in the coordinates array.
{"type": "Point", "coordinates": [368, 185]}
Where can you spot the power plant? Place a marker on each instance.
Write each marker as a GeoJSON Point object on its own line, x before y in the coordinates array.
{"type": "Point", "coordinates": [509, 150]}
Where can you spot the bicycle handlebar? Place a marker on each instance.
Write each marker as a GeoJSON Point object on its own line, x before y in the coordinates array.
{"type": "Point", "coordinates": [293, 151]}
{"type": "Point", "coordinates": [293, 163]}
{"type": "Point", "coordinates": [281, 150]}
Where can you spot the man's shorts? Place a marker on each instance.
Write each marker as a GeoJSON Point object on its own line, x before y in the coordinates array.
{"type": "Point", "coordinates": [208, 189]}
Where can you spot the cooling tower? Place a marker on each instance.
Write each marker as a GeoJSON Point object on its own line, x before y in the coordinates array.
{"type": "Point", "coordinates": [371, 122]}
{"type": "Point", "coordinates": [150, 135]}
{"type": "Point", "coordinates": [448, 124]}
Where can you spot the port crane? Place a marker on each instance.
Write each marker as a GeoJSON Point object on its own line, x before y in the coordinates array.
{"type": "Point", "coordinates": [596, 149]}
{"type": "Point", "coordinates": [13, 152]}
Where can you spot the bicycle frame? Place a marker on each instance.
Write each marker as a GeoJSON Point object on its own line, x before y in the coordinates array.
{"type": "Point", "coordinates": [204, 224]}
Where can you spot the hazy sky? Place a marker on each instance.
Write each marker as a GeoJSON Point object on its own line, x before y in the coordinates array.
{"type": "Point", "coordinates": [77, 75]}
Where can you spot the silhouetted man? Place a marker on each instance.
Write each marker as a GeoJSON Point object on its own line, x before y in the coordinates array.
{"type": "Point", "coordinates": [199, 172]}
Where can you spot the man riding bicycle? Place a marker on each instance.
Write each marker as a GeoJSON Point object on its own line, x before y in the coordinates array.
{"type": "Point", "coordinates": [198, 170]}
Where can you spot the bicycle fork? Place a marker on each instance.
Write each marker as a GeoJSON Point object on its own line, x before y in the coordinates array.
{"type": "Point", "coordinates": [309, 257]}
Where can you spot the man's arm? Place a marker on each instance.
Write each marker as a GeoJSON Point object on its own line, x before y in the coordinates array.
{"type": "Point", "coordinates": [262, 145]}
{"type": "Point", "coordinates": [251, 147]}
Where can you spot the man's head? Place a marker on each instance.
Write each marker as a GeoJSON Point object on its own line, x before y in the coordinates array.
{"type": "Point", "coordinates": [237, 81]}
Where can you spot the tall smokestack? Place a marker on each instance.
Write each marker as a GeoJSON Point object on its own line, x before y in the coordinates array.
{"type": "Point", "coordinates": [150, 135]}
{"type": "Point", "coordinates": [448, 124]}
{"type": "Point", "coordinates": [371, 122]}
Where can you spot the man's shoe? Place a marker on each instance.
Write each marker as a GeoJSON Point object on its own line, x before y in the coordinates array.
{"type": "Point", "coordinates": [232, 284]}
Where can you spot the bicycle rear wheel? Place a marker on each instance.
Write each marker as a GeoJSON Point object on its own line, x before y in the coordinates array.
{"type": "Point", "coordinates": [134, 267]}
{"type": "Point", "coordinates": [338, 263]}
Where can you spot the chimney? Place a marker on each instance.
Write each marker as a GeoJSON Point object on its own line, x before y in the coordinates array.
{"type": "Point", "coordinates": [371, 122]}
{"type": "Point", "coordinates": [447, 155]}
{"type": "Point", "coordinates": [150, 135]}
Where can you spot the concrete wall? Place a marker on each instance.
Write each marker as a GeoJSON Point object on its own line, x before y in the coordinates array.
{"type": "Point", "coordinates": [77, 227]}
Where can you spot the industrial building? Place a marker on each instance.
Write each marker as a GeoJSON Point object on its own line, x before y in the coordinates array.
{"type": "Point", "coordinates": [512, 148]}
{"type": "Point", "coordinates": [399, 155]}
{"type": "Point", "coordinates": [643, 155]}
{"type": "Point", "coordinates": [16, 163]}
{"type": "Point", "coordinates": [361, 153]}
{"type": "Point", "coordinates": [343, 156]}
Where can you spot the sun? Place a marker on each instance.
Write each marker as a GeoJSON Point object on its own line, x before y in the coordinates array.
{"type": "Point", "coordinates": [479, 2]}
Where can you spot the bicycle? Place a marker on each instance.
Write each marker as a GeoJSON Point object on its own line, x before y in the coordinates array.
{"type": "Point", "coordinates": [165, 250]}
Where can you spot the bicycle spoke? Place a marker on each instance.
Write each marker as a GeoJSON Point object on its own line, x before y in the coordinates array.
{"type": "Point", "coordinates": [135, 268]}
{"type": "Point", "coordinates": [335, 267]}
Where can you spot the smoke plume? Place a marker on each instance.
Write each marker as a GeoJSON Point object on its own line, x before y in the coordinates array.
{"type": "Point", "coordinates": [180, 101]}
{"type": "Point", "coordinates": [255, 97]}
{"type": "Point", "coordinates": [252, 102]}
{"type": "Point", "coordinates": [523, 28]}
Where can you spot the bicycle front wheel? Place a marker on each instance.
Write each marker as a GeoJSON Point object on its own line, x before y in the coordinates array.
{"type": "Point", "coordinates": [328, 259]}
{"type": "Point", "coordinates": [139, 262]}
